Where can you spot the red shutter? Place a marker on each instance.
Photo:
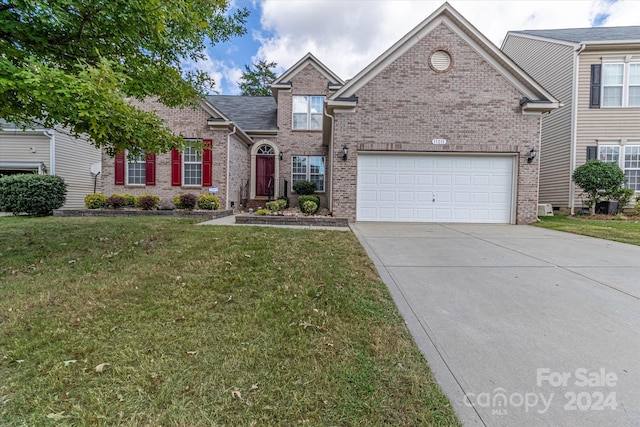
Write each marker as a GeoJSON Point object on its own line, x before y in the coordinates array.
{"type": "Point", "coordinates": [119, 168]}
{"type": "Point", "coordinates": [150, 172]}
{"type": "Point", "coordinates": [207, 163]}
{"type": "Point", "coordinates": [176, 168]}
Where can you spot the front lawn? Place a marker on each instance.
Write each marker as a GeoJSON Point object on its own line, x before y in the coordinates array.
{"type": "Point", "coordinates": [154, 321]}
{"type": "Point", "coordinates": [620, 231]}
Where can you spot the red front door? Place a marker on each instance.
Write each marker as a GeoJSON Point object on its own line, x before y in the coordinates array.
{"type": "Point", "coordinates": [265, 166]}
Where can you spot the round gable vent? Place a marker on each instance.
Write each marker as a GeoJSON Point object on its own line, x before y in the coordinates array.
{"type": "Point", "coordinates": [440, 60]}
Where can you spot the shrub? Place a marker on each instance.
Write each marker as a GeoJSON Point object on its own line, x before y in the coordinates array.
{"type": "Point", "coordinates": [309, 207]}
{"type": "Point", "coordinates": [115, 201]}
{"type": "Point", "coordinates": [208, 201]}
{"type": "Point", "coordinates": [304, 187]}
{"type": "Point", "coordinates": [32, 194]}
{"type": "Point", "coordinates": [623, 196]}
{"type": "Point", "coordinates": [262, 212]}
{"type": "Point", "coordinates": [95, 201]}
{"type": "Point", "coordinates": [311, 197]}
{"type": "Point", "coordinates": [129, 199]}
{"type": "Point", "coordinates": [276, 205]}
{"type": "Point", "coordinates": [598, 180]}
{"type": "Point", "coordinates": [176, 201]}
{"type": "Point", "coordinates": [186, 201]}
{"type": "Point", "coordinates": [286, 201]}
{"type": "Point", "coordinates": [147, 201]}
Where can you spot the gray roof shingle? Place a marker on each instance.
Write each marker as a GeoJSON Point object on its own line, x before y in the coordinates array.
{"type": "Point", "coordinates": [248, 112]}
{"type": "Point", "coordinates": [586, 35]}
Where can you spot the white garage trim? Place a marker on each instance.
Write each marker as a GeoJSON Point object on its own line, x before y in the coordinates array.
{"type": "Point", "coordinates": [447, 187]}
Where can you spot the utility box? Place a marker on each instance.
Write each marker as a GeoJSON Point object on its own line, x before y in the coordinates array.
{"type": "Point", "coordinates": [545, 209]}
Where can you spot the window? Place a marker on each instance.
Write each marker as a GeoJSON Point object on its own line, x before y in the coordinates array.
{"type": "Point", "coordinates": [307, 112]}
{"type": "Point", "coordinates": [136, 169]}
{"type": "Point", "coordinates": [629, 162]}
{"type": "Point", "coordinates": [621, 85]}
{"type": "Point", "coordinates": [310, 168]}
{"type": "Point", "coordinates": [192, 164]}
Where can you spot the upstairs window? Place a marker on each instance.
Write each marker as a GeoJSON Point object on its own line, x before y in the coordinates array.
{"type": "Point", "coordinates": [307, 112]}
{"type": "Point", "coordinates": [621, 84]}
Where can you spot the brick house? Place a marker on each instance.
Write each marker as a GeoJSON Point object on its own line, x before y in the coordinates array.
{"type": "Point", "coordinates": [442, 127]}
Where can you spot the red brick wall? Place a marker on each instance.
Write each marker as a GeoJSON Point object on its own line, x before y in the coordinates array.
{"type": "Point", "coordinates": [408, 104]}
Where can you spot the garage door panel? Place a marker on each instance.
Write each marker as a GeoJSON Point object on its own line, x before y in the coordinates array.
{"type": "Point", "coordinates": [434, 188]}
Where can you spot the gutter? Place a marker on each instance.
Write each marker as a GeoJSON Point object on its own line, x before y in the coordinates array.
{"type": "Point", "coordinates": [227, 185]}
{"type": "Point", "coordinates": [330, 199]}
{"type": "Point", "coordinates": [574, 125]}
{"type": "Point", "coordinates": [51, 134]}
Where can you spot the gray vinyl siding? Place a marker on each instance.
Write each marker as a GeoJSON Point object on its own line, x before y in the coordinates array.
{"type": "Point", "coordinates": [551, 65]}
{"type": "Point", "coordinates": [74, 158]}
{"type": "Point", "coordinates": [16, 146]}
{"type": "Point", "coordinates": [601, 124]}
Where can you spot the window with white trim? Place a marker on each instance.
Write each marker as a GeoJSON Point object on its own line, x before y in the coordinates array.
{"type": "Point", "coordinates": [309, 168]}
{"type": "Point", "coordinates": [307, 112]}
{"type": "Point", "coordinates": [629, 161]}
{"type": "Point", "coordinates": [192, 164]}
{"type": "Point", "coordinates": [136, 169]}
{"type": "Point", "coordinates": [621, 84]}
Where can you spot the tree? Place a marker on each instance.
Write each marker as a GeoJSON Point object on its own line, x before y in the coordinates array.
{"type": "Point", "coordinates": [76, 62]}
{"type": "Point", "coordinates": [257, 81]}
{"type": "Point", "coordinates": [599, 180]}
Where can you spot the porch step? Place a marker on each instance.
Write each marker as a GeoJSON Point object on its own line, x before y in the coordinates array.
{"type": "Point", "coordinates": [255, 204]}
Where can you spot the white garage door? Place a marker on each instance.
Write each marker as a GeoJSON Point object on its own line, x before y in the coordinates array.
{"type": "Point", "coordinates": [434, 188]}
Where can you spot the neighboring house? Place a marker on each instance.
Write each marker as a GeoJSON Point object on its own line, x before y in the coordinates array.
{"type": "Point", "coordinates": [439, 128]}
{"type": "Point", "coordinates": [595, 73]}
{"type": "Point", "coordinates": [52, 152]}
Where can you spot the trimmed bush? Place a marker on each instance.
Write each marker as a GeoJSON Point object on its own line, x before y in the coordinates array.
{"type": "Point", "coordinates": [276, 205]}
{"type": "Point", "coordinates": [187, 201]}
{"type": "Point", "coordinates": [311, 197]}
{"type": "Point", "coordinates": [32, 194]}
{"type": "Point", "coordinates": [147, 202]}
{"type": "Point", "coordinates": [115, 201]}
{"type": "Point", "coordinates": [623, 196]}
{"type": "Point", "coordinates": [129, 199]}
{"type": "Point", "coordinates": [208, 201]}
{"type": "Point", "coordinates": [286, 201]}
{"type": "Point", "coordinates": [262, 212]}
{"type": "Point", "coordinates": [309, 207]}
{"type": "Point", "coordinates": [176, 201]}
{"type": "Point", "coordinates": [95, 201]}
{"type": "Point", "coordinates": [599, 181]}
{"type": "Point", "coordinates": [304, 187]}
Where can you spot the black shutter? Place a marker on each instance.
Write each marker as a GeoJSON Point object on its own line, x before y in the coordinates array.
{"type": "Point", "coordinates": [592, 153]}
{"type": "Point", "coordinates": [594, 96]}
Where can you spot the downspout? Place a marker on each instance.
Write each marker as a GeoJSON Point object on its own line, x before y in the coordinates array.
{"type": "Point", "coordinates": [574, 125]}
{"type": "Point", "coordinates": [330, 200]}
{"type": "Point", "coordinates": [228, 183]}
{"type": "Point", "coordinates": [51, 134]}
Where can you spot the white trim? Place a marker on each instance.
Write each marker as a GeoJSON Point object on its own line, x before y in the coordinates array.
{"type": "Point", "coordinates": [126, 170]}
{"type": "Point", "coordinates": [51, 134]}
{"type": "Point", "coordinates": [301, 64]}
{"type": "Point", "coordinates": [308, 171]}
{"type": "Point", "coordinates": [276, 167]}
{"type": "Point", "coordinates": [228, 180]}
{"type": "Point", "coordinates": [23, 165]}
{"type": "Point", "coordinates": [574, 128]}
{"type": "Point", "coordinates": [189, 143]}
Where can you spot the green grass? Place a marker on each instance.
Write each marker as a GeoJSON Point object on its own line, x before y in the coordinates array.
{"type": "Point", "coordinates": [619, 231]}
{"type": "Point", "coordinates": [201, 326]}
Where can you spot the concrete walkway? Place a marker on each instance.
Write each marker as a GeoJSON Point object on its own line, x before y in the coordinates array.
{"type": "Point", "coordinates": [521, 326]}
{"type": "Point", "coordinates": [231, 220]}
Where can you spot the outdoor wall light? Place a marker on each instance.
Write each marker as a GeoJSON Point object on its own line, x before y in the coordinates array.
{"type": "Point", "coordinates": [281, 155]}
{"type": "Point", "coordinates": [345, 151]}
{"type": "Point", "coordinates": [532, 154]}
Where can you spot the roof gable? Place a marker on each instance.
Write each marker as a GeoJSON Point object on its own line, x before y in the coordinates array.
{"type": "Point", "coordinates": [308, 59]}
{"type": "Point", "coordinates": [448, 16]}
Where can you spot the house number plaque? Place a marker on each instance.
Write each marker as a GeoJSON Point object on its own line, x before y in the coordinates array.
{"type": "Point", "coordinates": [439, 141]}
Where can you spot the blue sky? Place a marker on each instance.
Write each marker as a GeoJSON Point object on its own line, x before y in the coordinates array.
{"type": "Point", "coordinates": [346, 35]}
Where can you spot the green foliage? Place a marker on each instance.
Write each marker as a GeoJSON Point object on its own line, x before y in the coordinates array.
{"type": "Point", "coordinates": [95, 201]}
{"type": "Point", "coordinates": [185, 201]}
{"type": "Point", "coordinates": [304, 187]}
{"type": "Point", "coordinates": [277, 205]}
{"type": "Point", "coordinates": [262, 212]}
{"type": "Point", "coordinates": [636, 208]}
{"type": "Point", "coordinates": [311, 197]}
{"type": "Point", "coordinates": [147, 202]}
{"type": "Point", "coordinates": [599, 180]}
{"type": "Point", "coordinates": [32, 194]}
{"type": "Point", "coordinates": [257, 81]}
{"type": "Point", "coordinates": [129, 199]}
{"type": "Point", "coordinates": [623, 196]}
{"type": "Point", "coordinates": [208, 201]}
{"type": "Point", "coordinates": [116, 201]}
{"type": "Point", "coordinates": [286, 201]}
{"type": "Point", "coordinates": [309, 207]}
{"type": "Point", "coordinates": [76, 62]}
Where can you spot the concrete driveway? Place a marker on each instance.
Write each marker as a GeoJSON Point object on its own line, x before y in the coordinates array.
{"type": "Point", "coordinates": [521, 326]}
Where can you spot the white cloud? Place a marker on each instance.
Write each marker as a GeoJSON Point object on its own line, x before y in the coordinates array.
{"type": "Point", "coordinates": [225, 75]}
{"type": "Point", "coordinates": [349, 34]}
